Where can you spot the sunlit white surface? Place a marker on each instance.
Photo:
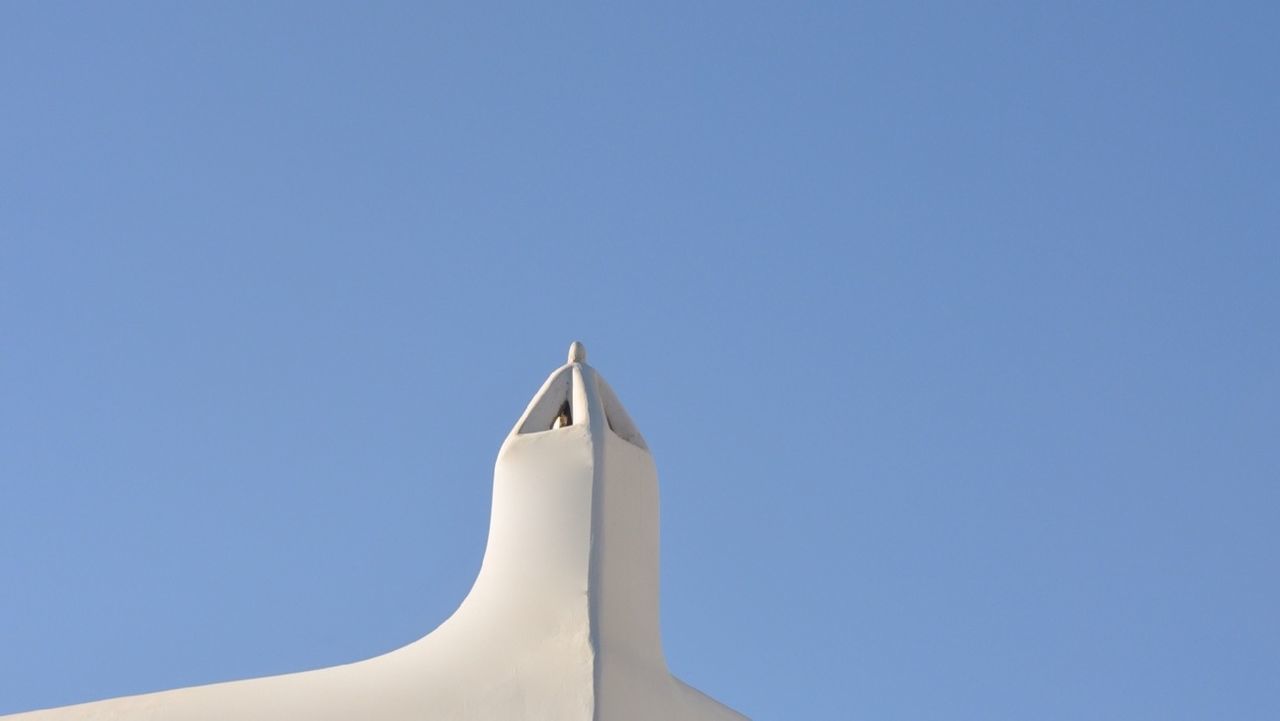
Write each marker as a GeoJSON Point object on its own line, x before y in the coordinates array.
{"type": "Point", "coordinates": [561, 624]}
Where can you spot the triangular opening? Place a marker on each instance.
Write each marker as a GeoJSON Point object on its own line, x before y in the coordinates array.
{"type": "Point", "coordinates": [553, 408]}
{"type": "Point", "coordinates": [616, 416]}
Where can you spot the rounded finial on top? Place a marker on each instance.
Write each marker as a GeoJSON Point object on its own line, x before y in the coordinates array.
{"type": "Point", "coordinates": [577, 352]}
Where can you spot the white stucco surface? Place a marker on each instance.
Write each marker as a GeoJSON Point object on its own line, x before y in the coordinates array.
{"type": "Point", "coordinates": [560, 625]}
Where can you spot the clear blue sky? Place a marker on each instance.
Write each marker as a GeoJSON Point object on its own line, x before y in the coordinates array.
{"type": "Point", "coordinates": [954, 328]}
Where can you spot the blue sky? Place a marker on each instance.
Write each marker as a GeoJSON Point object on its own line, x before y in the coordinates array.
{"type": "Point", "coordinates": [953, 328]}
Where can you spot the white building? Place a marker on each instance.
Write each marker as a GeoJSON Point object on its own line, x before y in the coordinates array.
{"type": "Point", "coordinates": [561, 624]}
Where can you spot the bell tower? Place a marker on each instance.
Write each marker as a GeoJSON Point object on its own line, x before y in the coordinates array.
{"type": "Point", "coordinates": [561, 623]}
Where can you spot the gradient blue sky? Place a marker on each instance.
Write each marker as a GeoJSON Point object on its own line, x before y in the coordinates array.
{"type": "Point", "coordinates": [953, 327]}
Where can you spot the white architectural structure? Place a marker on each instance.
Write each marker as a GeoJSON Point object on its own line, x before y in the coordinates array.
{"type": "Point", "coordinates": [561, 624]}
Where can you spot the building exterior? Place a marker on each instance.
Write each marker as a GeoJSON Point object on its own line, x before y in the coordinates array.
{"type": "Point", "coordinates": [561, 624]}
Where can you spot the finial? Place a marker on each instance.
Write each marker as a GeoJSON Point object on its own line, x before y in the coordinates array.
{"type": "Point", "coordinates": [577, 352]}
